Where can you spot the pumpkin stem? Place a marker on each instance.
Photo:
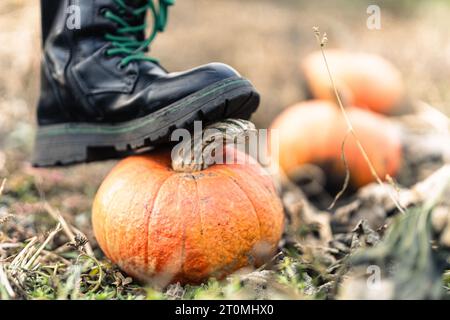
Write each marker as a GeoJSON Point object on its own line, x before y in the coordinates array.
{"type": "Point", "coordinates": [205, 148]}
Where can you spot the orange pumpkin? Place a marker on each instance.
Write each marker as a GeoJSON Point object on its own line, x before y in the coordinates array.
{"type": "Point", "coordinates": [166, 226]}
{"type": "Point", "coordinates": [313, 132]}
{"type": "Point", "coordinates": [363, 80]}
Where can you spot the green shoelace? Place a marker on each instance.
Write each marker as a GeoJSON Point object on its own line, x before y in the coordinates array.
{"type": "Point", "coordinates": [124, 43]}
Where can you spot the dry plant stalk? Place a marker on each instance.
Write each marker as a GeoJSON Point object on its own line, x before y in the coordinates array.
{"type": "Point", "coordinates": [4, 281]}
{"type": "Point", "coordinates": [16, 263]}
{"type": "Point", "coordinates": [68, 229]}
{"type": "Point", "coordinates": [31, 262]}
{"type": "Point", "coordinates": [27, 259]}
{"type": "Point", "coordinates": [347, 174]}
{"type": "Point", "coordinates": [323, 40]}
{"type": "Point", "coordinates": [29, 254]}
{"type": "Point", "coordinates": [2, 186]}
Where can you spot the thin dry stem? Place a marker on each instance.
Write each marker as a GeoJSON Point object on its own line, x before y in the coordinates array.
{"type": "Point", "coordinates": [51, 254]}
{"type": "Point", "coordinates": [68, 229]}
{"type": "Point", "coordinates": [52, 234]}
{"type": "Point", "coordinates": [100, 272]}
{"type": "Point", "coordinates": [347, 174]}
{"type": "Point", "coordinates": [2, 186]}
{"type": "Point", "coordinates": [322, 41]}
{"type": "Point", "coordinates": [4, 281]}
{"type": "Point", "coordinates": [21, 256]}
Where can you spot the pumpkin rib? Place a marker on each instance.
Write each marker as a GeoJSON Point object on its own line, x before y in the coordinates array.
{"type": "Point", "coordinates": [183, 244]}
{"type": "Point", "coordinates": [104, 226]}
{"type": "Point", "coordinates": [223, 263]}
{"type": "Point", "coordinates": [105, 238]}
{"type": "Point", "coordinates": [225, 173]}
{"type": "Point", "coordinates": [229, 172]}
{"type": "Point", "coordinates": [138, 174]}
{"type": "Point", "coordinates": [202, 233]}
{"type": "Point", "coordinates": [183, 273]}
{"type": "Point", "coordinates": [100, 232]}
{"type": "Point", "coordinates": [109, 240]}
{"type": "Point", "coordinates": [148, 216]}
{"type": "Point", "coordinates": [168, 227]}
{"type": "Point", "coordinates": [267, 195]}
{"type": "Point", "coordinates": [124, 251]}
{"type": "Point", "coordinates": [246, 196]}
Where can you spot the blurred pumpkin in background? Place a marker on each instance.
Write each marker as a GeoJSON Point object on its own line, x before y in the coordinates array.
{"type": "Point", "coordinates": [166, 226]}
{"type": "Point", "coordinates": [313, 132]}
{"type": "Point", "coordinates": [363, 80]}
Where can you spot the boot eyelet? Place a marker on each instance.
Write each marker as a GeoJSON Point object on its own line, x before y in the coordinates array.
{"type": "Point", "coordinates": [121, 66]}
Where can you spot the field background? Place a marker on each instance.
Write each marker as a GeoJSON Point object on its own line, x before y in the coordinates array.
{"type": "Point", "coordinates": [263, 39]}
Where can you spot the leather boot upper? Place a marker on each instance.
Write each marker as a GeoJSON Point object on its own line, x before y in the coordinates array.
{"type": "Point", "coordinates": [88, 77]}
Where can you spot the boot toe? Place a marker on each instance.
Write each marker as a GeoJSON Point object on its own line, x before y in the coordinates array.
{"type": "Point", "coordinates": [220, 71]}
{"type": "Point", "coordinates": [175, 86]}
{"type": "Point", "coordinates": [206, 75]}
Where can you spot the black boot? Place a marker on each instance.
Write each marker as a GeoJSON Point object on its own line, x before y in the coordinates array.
{"type": "Point", "coordinates": [103, 98]}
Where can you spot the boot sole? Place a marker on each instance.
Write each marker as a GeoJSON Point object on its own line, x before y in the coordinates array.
{"type": "Point", "coordinates": [71, 143]}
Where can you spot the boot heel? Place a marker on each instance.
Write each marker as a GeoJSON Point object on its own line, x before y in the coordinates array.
{"type": "Point", "coordinates": [53, 153]}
